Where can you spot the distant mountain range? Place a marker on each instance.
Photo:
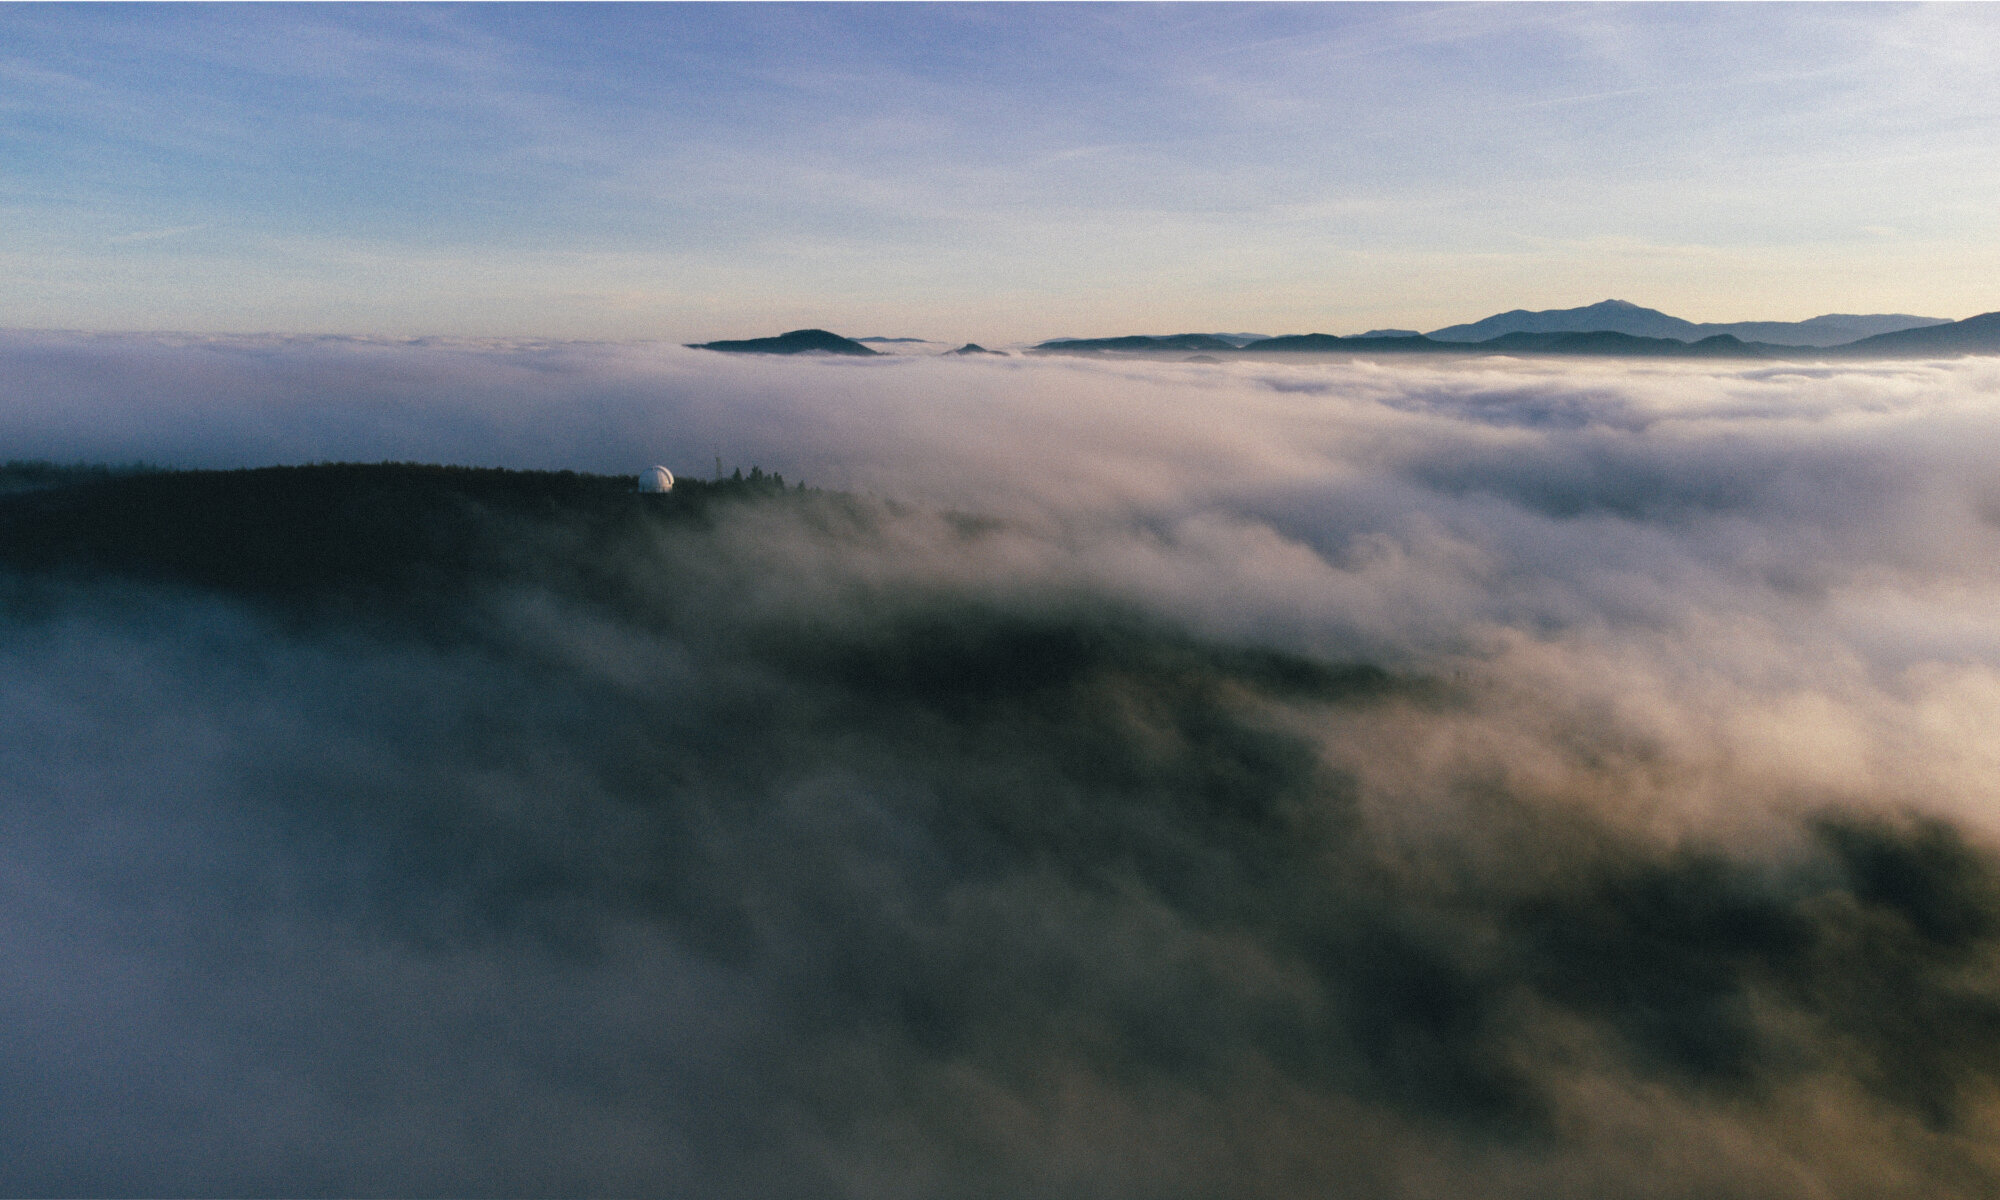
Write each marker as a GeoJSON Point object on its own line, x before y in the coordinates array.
{"type": "Point", "coordinates": [1974, 335]}
{"type": "Point", "coordinates": [1611, 327]}
{"type": "Point", "coordinates": [1621, 316]}
{"type": "Point", "coordinates": [1138, 343]}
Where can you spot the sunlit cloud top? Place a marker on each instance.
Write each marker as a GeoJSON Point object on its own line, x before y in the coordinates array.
{"type": "Point", "coordinates": [982, 172]}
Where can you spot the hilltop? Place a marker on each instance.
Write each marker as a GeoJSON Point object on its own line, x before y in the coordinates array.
{"type": "Point", "coordinates": [798, 341]}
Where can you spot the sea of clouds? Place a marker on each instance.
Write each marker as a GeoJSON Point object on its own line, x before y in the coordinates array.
{"type": "Point", "coordinates": [1036, 835]}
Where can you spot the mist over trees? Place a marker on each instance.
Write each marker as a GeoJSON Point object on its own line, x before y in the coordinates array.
{"type": "Point", "coordinates": [433, 829]}
{"type": "Point", "coordinates": [1497, 778]}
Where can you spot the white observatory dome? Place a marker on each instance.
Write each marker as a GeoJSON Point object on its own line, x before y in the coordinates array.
{"type": "Point", "coordinates": [659, 479]}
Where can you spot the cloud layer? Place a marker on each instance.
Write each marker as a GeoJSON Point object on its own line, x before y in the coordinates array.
{"type": "Point", "coordinates": [1469, 779]}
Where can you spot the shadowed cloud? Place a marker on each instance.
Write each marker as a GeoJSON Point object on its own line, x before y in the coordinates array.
{"type": "Point", "coordinates": [1125, 780]}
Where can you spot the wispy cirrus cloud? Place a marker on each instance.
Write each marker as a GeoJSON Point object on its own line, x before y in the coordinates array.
{"type": "Point", "coordinates": [156, 235]}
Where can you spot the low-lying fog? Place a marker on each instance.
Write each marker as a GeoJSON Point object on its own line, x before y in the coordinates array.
{"type": "Point", "coordinates": [1024, 857]}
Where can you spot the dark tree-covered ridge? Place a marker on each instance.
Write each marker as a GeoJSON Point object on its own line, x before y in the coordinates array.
{"type": "Point", "coordinates": [393, 533]}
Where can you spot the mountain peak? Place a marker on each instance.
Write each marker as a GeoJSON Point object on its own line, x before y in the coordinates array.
{"type": "Point", "coordinates": [1612, 316]}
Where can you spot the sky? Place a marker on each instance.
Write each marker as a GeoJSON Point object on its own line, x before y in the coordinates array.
{"type": "Point", "coordinates": [993, 173]}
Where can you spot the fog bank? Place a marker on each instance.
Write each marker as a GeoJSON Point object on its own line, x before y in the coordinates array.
{"type": "Point", "coordinates": [1499, 778]}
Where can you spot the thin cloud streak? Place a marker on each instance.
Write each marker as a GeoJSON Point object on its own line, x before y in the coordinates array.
{"type": "Point", "coordinates": [154, 235]}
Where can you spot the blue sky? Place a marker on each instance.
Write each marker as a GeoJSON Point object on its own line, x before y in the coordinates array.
{"type": "Point", "coordinates": [993, 173]}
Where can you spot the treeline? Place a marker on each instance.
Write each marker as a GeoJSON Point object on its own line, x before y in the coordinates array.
{"type": "Point", "coordinates": [35, 474]}
{"type": "Point", "coordinates": [396, 536]}
{"type": "Point", "coordinates": [755, 482]}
